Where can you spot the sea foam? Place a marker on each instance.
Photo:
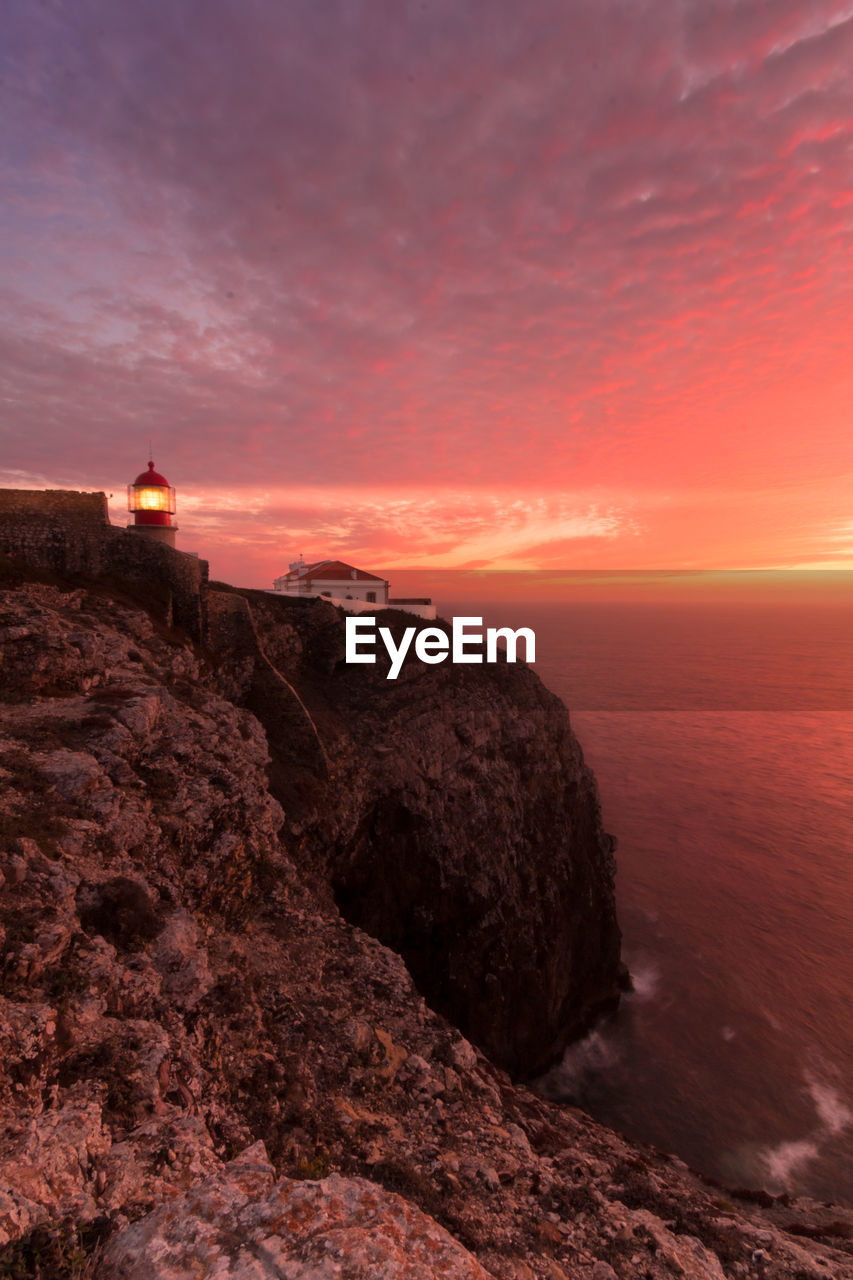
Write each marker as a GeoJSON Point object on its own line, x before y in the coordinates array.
{"type": "Point", "coordinates": [782, 1161]}
{"type": "Point", "coordinates": [835, 1115]}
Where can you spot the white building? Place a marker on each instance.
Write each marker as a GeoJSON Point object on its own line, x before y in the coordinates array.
{"type": "Point", "coordinates": [342, 584]}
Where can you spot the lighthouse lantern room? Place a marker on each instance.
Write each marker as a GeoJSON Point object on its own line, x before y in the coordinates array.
{"type": "Point", "coordinates": [151, 502]}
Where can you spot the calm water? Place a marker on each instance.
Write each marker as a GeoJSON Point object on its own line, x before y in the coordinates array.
{"type": "Point", "coordinates": [722, 739]}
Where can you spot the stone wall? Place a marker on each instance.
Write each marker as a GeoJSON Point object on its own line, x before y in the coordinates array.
{"type": "Point", "coordinates": [69, 533]}
{"type": "Point", "coordinates": [57, 504]}
{"type": "Point", "coordinates": [54, 529]}
{"type": "Point", "coordinates": [133, 556]}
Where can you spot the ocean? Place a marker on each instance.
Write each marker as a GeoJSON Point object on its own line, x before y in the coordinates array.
{"type": "Point", "coordinates": [722, 739]}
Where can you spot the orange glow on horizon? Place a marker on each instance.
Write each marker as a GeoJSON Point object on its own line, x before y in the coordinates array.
{"type": "Point", "coordinates": [250, 535]}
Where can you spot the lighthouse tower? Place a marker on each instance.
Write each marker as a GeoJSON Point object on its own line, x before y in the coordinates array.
{"type": "Point", "coordinates": [151, 501]}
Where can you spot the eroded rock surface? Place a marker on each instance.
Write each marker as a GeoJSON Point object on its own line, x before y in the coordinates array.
{"type": "Point", "coordinates": [241, 1223]}
{"type": "Point", "coordinates": [178, 986]}
{"type": "Point", "coordinates": [454, 819]}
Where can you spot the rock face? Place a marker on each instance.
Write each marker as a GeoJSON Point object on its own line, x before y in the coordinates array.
{"type": "Point", "coordinates": [241, 1223]}
{"type": "Point", "coordinates": [178, 985]}
{"type": "Point", "coordinates": [459, 825]}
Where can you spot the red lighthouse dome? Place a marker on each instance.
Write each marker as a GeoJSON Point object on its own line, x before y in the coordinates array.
{"type": "Point", "coordinates": [151, 477]}
{"type": "Point", "coordinates": [151, 501]}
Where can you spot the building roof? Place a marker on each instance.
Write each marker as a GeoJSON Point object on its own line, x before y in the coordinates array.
{"type": "Point", "coordinates": [332, 571]}
{"type": "Point", "coordinates": [151, 477]}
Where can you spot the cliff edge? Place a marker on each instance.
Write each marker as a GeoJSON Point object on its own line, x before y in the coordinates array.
{"type": "Point", "coordinates": [451, 813]}
{"type": "Point", "coordinates": [206, 1070]}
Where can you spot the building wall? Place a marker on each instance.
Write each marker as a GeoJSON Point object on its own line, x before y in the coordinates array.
{"type": "Point", "coordinates": [69, 533]}
{"type": "Point", "coordinates": [158, 532]}
{"type": "Point", "coordinates": [420, 608]}
{"type": "Point", "coordinates": [355, 606]}
{"type": "Point", "coordinates": [337, 588]}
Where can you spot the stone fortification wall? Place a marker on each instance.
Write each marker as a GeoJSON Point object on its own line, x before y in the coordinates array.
{"type": "Point", "coordinates": [67, 532]}
{"type": "Point", "coordinates": [133, 555]}
{"type": "Point", "coordinates": [56, 504]}
{"type": "Point", "coordinates": [54, 529]}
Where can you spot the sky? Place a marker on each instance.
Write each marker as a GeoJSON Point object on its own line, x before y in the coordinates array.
{"type": "Point", "coordinates": [562, 284]}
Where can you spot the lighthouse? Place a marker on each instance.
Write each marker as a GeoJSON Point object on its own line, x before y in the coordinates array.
{"type": "Point", "coordinates": [151, 502]}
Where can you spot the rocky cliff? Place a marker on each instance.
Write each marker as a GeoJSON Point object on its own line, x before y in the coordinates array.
{"type": "Point", "coordinates": [210, 1064]}
{"type": "Point", "coordinates": [452, 815]}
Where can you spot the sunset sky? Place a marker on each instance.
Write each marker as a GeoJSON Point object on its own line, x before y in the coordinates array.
{"type": "Point", "coordinates": [566, 283]}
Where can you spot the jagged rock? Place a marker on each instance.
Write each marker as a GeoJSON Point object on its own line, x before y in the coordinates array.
{"type": "Point", "coordinates": [161, 1157]}
{"type": "Point", "coordinates": [240, 1223]}
{"type": "Point", "coordinates": [181, 958]}
{"type": "Point", "coordinates": [685, 1255]}
{"type": "Point", "coordinates": [47, 1160]}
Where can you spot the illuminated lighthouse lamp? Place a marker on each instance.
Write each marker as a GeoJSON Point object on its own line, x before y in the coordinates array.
{"type": "Point", "coordinates": [151, 501]}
